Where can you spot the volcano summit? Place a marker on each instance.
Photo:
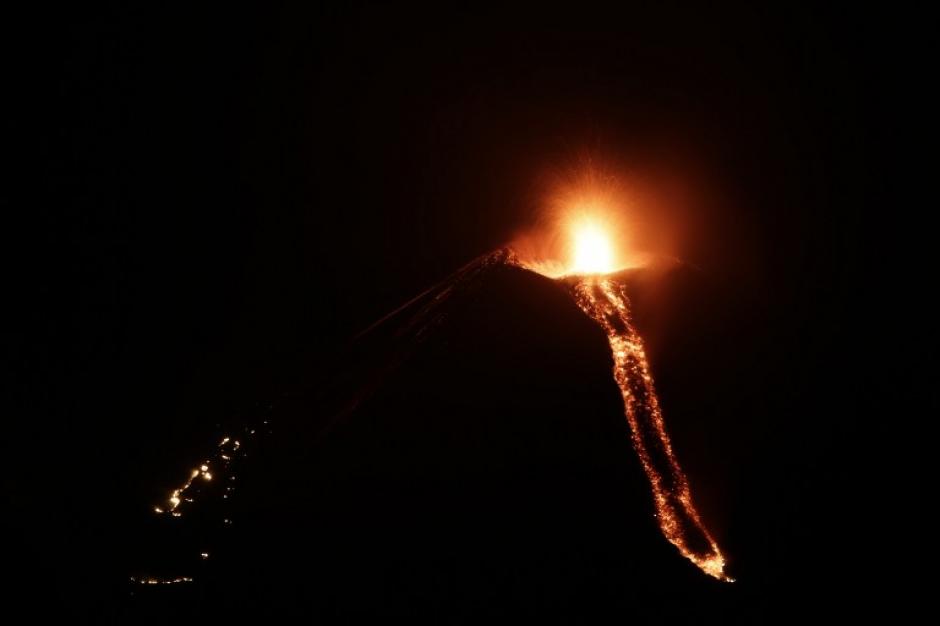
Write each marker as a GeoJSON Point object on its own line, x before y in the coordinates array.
{"type": "Point", "coordinates": [466, 458]}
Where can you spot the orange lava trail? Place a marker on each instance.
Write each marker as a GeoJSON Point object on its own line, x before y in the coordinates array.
{"type": "Point", "coordinates": [606, 303]}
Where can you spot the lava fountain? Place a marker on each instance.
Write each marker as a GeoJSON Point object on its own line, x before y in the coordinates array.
{"type": "Point", "coordinates": [605, 301]}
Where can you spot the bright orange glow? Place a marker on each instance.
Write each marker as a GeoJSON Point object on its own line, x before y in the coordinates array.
{"type": "Point", "coordinates": [592, 250]}
{"type": "Point", "coordinates": [587, 225]}
{"type": "Point", "coordinates": [593, 243]}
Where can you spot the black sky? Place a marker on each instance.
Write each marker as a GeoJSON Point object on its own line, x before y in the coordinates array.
{"type": "Point", "coordinates": [228, 194]}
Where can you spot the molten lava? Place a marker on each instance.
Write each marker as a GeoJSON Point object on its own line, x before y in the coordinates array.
{"type": "Point", "coordinates": [605, 301]}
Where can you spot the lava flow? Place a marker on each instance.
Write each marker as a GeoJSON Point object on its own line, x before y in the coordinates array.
{"type": "Point", "coordinates": [607, 304]}
{"type": "Point", "coordinates": [604, 300]}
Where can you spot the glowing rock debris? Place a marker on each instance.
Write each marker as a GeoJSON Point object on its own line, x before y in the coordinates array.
{"type": "Point", "coordinates": [161, 581]}
{"type": "Point", "coordinates": [200, 479]}
{"type": "Point", "coordinates": [224, 453]}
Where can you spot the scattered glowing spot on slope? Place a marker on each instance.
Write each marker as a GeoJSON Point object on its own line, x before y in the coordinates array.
{"type": "Point", "coordinates": [161, 581]}
{"type": "Point", "coordinates": [226, 451]}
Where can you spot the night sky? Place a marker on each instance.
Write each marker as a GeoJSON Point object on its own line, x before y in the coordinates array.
{"type": "Point", "coordinates": [227, 195]}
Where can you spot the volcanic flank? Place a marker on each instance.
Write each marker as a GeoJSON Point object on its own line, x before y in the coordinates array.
{"type": "Point", "coordinates": [466, 459]}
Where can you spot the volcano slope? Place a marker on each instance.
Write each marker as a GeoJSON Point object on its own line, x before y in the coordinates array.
{"type": "Point", "coordinates": [467, 458]}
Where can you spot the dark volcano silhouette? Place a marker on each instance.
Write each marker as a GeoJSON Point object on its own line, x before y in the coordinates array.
{"type": "Point", "coordinates": [466, 459]}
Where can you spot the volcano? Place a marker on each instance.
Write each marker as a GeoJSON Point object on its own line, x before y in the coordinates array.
{"type": "Point", "coordinates": [465, 458]}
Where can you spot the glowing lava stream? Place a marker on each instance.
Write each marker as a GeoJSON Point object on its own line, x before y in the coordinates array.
{"type": "Point", "coordinates": [605, 302]}
{"type": "Point", "coordinates": [592, 260]}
